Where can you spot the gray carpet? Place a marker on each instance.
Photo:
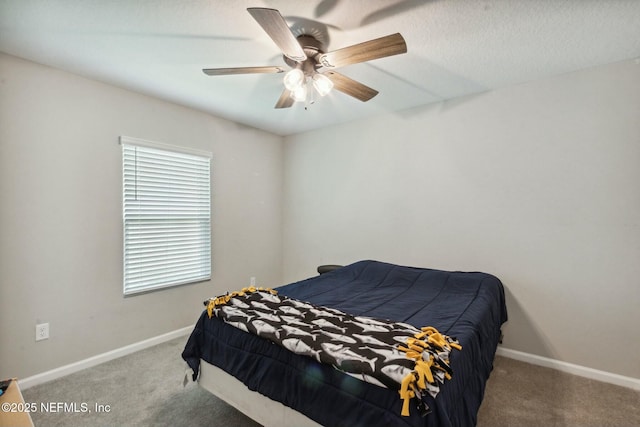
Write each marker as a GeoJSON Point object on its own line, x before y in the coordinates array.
{"type": "Point", "coordinates": [142, 389]}
{"type": "Point", "coordinates": [145, 389]}
{"type": "Point", "coordinates": [521, 394]}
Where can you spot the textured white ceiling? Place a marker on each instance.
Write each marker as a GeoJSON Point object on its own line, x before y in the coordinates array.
{"type": "Point", "coordinates": [455, 48]}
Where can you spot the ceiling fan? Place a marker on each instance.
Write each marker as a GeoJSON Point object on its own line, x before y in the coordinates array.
{"type": "Point", "coordinates": [311, 67]}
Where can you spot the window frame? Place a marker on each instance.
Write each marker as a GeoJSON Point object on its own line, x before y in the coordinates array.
{"type": "Point", "coordinates": [160, 211]}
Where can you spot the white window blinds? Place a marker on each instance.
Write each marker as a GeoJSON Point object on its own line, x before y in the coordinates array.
{"type": "Point", "coordinates": [167, 216]}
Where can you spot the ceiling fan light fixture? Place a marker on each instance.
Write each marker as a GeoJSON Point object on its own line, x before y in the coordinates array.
{"type": "Point", "coordinates": [294, 79]}
{"type": "Point", "coordinates": [322, 84]}
{"type": "Point", "coordinates": [303, 50]}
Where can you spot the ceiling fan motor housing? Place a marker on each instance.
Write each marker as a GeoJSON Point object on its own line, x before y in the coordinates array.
{"type": "Point", "coordinates": [312, 48]}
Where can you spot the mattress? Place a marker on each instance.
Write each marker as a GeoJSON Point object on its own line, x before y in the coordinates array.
{"type": "Point", "coordinates": [469, 306]}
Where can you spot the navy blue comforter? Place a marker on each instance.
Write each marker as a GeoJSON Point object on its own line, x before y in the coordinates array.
{"type": "Point", "coordinates": [467, 306]}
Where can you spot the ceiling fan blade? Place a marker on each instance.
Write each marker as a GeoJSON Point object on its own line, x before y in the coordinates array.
{"type": "Point", "coordinates": [241, 70]}
{"type": "Point", "coordinates": [393, 44]}
{"type": "Point", "coordinates": [350, 87]}
{"type": "Point", "coordinates": [285, 100]}
{"type": "Point", "coordinates": [276, 27]}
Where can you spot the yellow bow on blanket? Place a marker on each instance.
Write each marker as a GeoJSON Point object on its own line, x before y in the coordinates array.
{"type": "Point", "coordinates": [421, 375]}
{"type": "Point", "coordinates": [223, 299]}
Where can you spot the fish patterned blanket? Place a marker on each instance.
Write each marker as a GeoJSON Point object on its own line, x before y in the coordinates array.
{"type": "Point", "coordinates": [388, 354]}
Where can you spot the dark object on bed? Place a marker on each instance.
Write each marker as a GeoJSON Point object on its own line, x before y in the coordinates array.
{"type": "Point", "coordinates": [327, 268]}
{"type": "Point", "coordinates": [468, 306]}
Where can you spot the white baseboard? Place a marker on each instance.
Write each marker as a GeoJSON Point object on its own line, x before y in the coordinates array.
{"type": "Point", "coordinates": [570, 368]}
{"type": "Point", "coordinates": [62, 371]}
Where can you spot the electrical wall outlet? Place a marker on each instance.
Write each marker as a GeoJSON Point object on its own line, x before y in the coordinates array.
{"type": "Point", "coordinates": [42, 331]}
{"type": "Point", "coordinates": [253, 281]}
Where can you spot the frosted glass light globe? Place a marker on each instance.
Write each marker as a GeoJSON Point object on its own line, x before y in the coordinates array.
{"type": "Point", "coordinates": [293, 79]}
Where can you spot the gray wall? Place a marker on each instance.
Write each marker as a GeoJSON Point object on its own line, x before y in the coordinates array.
{"type": "Point", "coordinates": [61, 215]}
{"type": "Point", "coordinates": [536, 183]}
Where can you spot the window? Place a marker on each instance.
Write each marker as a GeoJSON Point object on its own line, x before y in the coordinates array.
{"type": "Point", "coordinates": [167, 215]}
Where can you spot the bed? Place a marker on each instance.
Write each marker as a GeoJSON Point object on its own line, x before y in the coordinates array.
{"type": "Point", "coordinates": [277, 387]}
